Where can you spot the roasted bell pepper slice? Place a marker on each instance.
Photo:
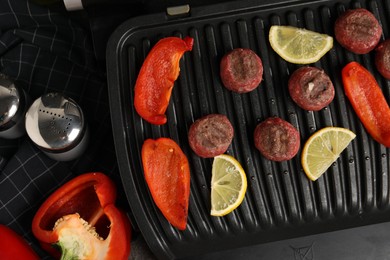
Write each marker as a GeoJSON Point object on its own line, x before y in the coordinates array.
{"type": "Point", "coordinates": [167, 174]}
{"type": "Point", "coordinates": [156, 78]}
{"type": "Point", "coordinates": [368, 101]}
{"type": "Point", "coordinates": [80, 219]}
{"type": "Point", "coordinates": [13, 246]}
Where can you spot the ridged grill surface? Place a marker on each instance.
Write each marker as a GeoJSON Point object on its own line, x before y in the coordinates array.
{"type": "Point", "coordinates": [281, 202]}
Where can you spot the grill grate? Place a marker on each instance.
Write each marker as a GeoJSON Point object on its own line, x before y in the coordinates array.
{"type": "Point", "coordinates": [280, 202]}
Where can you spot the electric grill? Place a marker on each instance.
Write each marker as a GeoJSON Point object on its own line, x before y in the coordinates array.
{"type": "Point", "coordinates": [281, 202]}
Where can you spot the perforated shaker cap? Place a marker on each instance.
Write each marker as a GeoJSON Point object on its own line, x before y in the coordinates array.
{"type": "Point", "coordinates": [55, 123]}
{"type": "Point", "coordinates": [10, 102]}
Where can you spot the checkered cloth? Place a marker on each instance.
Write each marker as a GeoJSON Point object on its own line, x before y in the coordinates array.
{"type": "Point", "coordinates": [46, 51]}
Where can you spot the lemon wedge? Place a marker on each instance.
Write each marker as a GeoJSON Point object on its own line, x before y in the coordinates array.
{"type": "Point", "coordinates": [297, 45]}
{"type": "Point", "coordinates": [228, 185]}
{"type": "Point", "coordinates": [323, 148]}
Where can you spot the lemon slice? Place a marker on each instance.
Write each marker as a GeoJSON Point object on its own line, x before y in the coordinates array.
{"type": "Point", "coordinates": [297, 45]}
{"type": "Point", "coordinates": [228, 185]}
{"type": "Point", "coordinates": [323, 148]}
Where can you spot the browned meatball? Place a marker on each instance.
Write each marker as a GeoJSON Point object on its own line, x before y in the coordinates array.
{"type": "Point", "coordinates": [358, 31]}
{"type": "Point", "coordinates": [241, 70]}
{"type": "Point", "coordinates": [276, 139]}
{"type": "Point", "coordinates": [210, 135]}
{"type": "Point", "coordinates": [311, 88]}
{"type": "Point", "coordinates": [382, 58]}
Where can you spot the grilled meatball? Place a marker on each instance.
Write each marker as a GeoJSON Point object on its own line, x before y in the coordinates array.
{"type": "Point", "coordinates": [358, 31]}
{"type": "Point", "coordinates": [382, 58]}
{"type": "Point", "coordinates": [241, 70]}
{"type": "Point", "coordinates": [276, 139]}
{"type": "Point", "coordinates": [311, 88]}
{"type": "Point", "coordinates": [210, 135]}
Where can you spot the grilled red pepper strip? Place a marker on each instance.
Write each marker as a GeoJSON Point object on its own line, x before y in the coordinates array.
{"type": "Point", "coordinates": [12, 246]}
{"type": "Point", "coordinates": [156, 78]}
{"type": "Point", "coordinates": [81, 219]}
{"type": "Point", "coordinates": [167, 174]}
{"type": "Point", "coordinates": [368, 101]}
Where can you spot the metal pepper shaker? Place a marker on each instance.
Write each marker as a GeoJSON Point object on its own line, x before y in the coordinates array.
{"type": "Point", "coordinates": [14, 102]}
{"type": "Point", "coordinates": [56, 124]}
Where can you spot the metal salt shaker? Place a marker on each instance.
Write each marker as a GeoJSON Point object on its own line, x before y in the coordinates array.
{"type": "Point", "coordinates": [56, 124]}
{"type": "Point", "coordinates": [14, 102]}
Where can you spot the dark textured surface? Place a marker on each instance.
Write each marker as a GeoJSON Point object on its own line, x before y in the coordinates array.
{"type": "Point", "coordinates": [45, 51]}
{"type": "Point", "coordinates": [281, 202]}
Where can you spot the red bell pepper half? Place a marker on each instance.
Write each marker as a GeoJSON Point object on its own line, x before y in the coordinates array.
{"type": "Point", "coordinates": [13, 246]}
{"type": "Point", "coordinates": [80, 219]}
{"type": "Point", "coordinates": [156, 78]}
{"type": "Point", "coordinates": [368, 101]}
{"type": "Point", "coordinates": [167, 174]}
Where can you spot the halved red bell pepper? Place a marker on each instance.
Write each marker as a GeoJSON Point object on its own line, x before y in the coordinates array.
{"type": "Point", "coordinates": [368, 101]}
{"type": "Point", "coordinates": [167, 174]}
{"type": "Point", "coordinates": [156, 78]}
{"type": "Point", "coordinates": [80, 218]}
{"type": "Point", "coordinates": [13, 246]}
